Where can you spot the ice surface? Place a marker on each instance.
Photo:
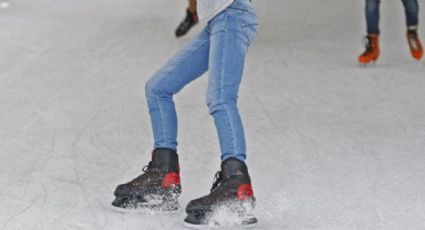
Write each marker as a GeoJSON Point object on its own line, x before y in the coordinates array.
{"type": "Point", "coordinates": [332, 145]}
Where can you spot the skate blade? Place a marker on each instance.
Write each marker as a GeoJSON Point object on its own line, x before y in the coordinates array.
{"type": "Point", "coordinates": [364, 65]}
{"type": "Point", "coordinates": [196, 226]}
{"type": "Point", "coordinates": [150, 205]}
{"type": "Point", "coordinates": [249, 223]}
{"type": "Point", "coordinates": [143, 211]}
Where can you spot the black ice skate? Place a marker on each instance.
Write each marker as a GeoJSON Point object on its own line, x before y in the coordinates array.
{"type": "Point", "coordinates": [231, 192]}
{"type": "Point", "coordinates": [184, 27]}
{"type": "Point", "coordinates": [156, 189]}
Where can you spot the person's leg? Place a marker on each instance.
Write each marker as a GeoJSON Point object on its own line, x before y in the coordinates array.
{"type": "Point", "coordinates": [411, 8]}
{"type": "Point", "coordinates": [189, 21]}
{"type": "Point", "coordinates": [187, 65]}
{"type": "Point", "coordinates": [159, 186]}
{"type": "Point", "coordinates": [372, 16]}
{"type": "Point", "coordinates": [231, 34]}
{"type": "Point", "coordinates": [372, 38]}
{"type": "Point", "coordinates": [232, 31]}
{"type": "Point", "coordinates": [192, 6]}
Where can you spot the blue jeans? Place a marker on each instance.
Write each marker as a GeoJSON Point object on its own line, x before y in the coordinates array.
{"type": "Point", "coordinates": [411, 8]}
{"type": "Point", "coordinates": [219, 49]}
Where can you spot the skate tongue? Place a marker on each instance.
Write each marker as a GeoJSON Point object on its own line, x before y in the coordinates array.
{"type": "Point", "coordinates": [233, 167]}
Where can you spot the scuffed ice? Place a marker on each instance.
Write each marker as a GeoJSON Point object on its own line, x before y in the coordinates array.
{"type": "Point", "coordinates": [332, 145]}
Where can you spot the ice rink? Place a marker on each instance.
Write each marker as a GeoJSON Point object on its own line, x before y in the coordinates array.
{"type": "Point", "coordinates": [332, 145]}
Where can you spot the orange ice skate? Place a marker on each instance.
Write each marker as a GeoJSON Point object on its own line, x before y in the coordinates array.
{"type": "Point", "coordinates": [415, 45]}
{"type": "Point", "coordinates": [372, 49]}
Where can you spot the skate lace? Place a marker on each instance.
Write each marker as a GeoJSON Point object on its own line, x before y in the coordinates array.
{"type": "Point", "coordinates": [412, 35]}
{"type": "Point", "coordinates": [150, 168]}
{"type": "Point", "coordinates": [146, 169]}
{"type": "Point", "coordinates": [367, 43]}
{"type": "Point", "coordinates": [218, 178]}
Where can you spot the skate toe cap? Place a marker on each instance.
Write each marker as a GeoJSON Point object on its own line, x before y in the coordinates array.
{"type": "Point", "coordinates": [194, 205]}
{"type": "Point", "coordinates": [120, 190]}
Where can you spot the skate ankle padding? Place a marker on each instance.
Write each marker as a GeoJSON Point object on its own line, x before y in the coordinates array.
{"type": "Point", "coordinates": [165, 159]}
{"type": "Point", "coordinates": [412, 28]}
{"type": "Point", "coordinates": [233, 167]}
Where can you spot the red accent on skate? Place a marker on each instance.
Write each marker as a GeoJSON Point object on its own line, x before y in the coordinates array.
{"type": "Point", "coordinates": [245, 192]}
{"type": "Point", "coordinates": [171, 179]}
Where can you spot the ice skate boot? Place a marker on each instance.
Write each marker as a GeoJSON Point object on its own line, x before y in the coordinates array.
{"type": "Point", "coordinates": [372, 49]}
{"type": "Point", "coordinates": [156, 189]}
{"type": "Point", "coordinates": [187, 24]}
{"type": "Point", "coordinates": [415, 44]}
{"type": "Point", "coordinates": [231, 194]}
